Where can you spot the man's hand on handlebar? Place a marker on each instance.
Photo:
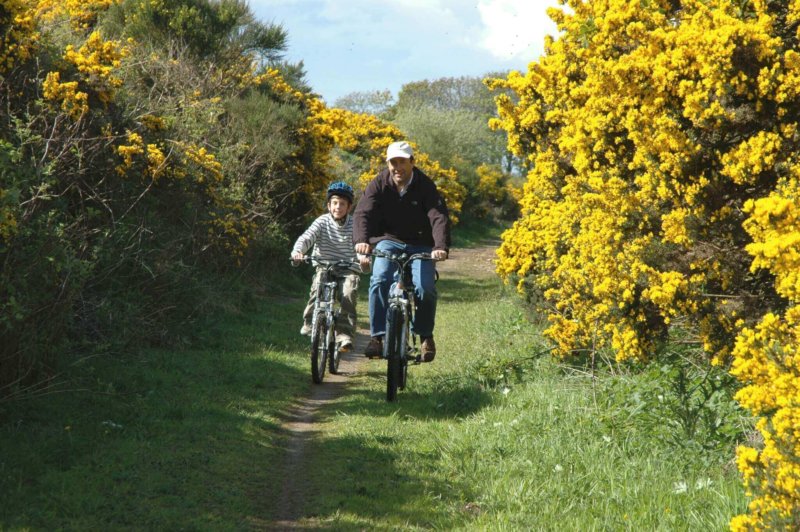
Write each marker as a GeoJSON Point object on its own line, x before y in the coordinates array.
{"type": "Point", "coordinates": [439, 254]}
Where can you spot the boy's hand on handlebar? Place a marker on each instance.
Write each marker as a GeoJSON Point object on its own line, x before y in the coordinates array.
{"type": "Point", "coordinates": [439, 254]}
{"type": "Point", "coordinates": [297, 258]}
{"type": "Point", "coordinates": [363, 248]}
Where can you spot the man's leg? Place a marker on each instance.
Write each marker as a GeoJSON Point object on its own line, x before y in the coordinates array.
{"type": "Point", "coordinates": [424, 276]}
{"type": "Point", "coordinates": [423, 273]}
{"type": "Point", "coordinates": [379, 283]}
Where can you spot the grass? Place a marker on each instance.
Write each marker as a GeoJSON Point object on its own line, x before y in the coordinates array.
{"type": "Point", "coordinates": [494, 435]}
{"type": "Point", "coordinates": [472, 231]}
{"type": "Point", "coordinates": [158, 439]}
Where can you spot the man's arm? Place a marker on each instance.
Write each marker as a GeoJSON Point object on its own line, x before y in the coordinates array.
{"type": "Point", "coordinates": [439, 217]}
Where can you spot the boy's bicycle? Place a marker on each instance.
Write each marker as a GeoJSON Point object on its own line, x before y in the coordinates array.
{"type": "Point", "coordinates": [324, 349]}
{"type": "Point", "coordinates": [400, 343]}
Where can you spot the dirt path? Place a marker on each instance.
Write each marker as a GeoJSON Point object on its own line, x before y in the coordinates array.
{"type": "Point", "coordinates": [301, 427]}
{"type": "Point", "coordinates": [301, 421]}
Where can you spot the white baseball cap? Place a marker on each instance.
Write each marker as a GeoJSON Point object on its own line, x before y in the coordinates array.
{"type": "Point", "coordinates": [399, 149]}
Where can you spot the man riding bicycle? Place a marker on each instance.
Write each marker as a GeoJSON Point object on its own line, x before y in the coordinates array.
{"type": "Point", "coordinates": [401, 210]}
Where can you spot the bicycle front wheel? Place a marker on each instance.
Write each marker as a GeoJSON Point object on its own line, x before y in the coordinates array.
{"type": "Point", "coordinates": [319, 349]}
{"type": "Point", "coordinates": [394, 354]}
{"type": "Point", "coordinates": [333, 350]}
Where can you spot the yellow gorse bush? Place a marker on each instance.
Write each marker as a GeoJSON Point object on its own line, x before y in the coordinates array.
{"type": "Point", "coordinates": [766, 359]}
{"type": "Point", "coordinates": [662, 140]}
{"type": "Point", "coordinates": [18, 34]}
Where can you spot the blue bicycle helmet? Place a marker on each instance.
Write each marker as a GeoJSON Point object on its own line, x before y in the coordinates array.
{"type": "Point", "coordinates": [341, 189]}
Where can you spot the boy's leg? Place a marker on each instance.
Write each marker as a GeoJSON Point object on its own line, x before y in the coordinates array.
{"type": "Point", "coordinates": [346, 327]}
{"type": "Point", "coordinates": [308, 313]}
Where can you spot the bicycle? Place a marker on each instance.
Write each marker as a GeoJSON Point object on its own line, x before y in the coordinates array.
{"type": "Point", "coordinates": [400, 343]}
{"type": "Point", "coordinates": [327, 307]}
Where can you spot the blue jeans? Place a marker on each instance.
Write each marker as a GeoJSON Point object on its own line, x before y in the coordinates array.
{"type": "Point", "coordinates": [384, 272]}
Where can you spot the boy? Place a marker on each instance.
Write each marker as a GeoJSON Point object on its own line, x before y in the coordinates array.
{"type": "Point", "coordinates": [331, 237]}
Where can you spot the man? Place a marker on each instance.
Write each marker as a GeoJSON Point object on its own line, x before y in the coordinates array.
{"type": "Point", "coordinates": [402, 211]}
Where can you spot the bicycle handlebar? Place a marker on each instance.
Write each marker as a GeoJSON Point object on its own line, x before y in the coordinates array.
{"type": "Point", "coordinates": [327, 263]}
{"type": "Point", "coordinates": [402, 257]}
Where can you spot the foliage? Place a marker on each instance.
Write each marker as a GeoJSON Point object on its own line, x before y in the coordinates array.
{"type": "Point", "coordinates": [448, 118]}
{"type": "Point", "coordinates": [131, 166]}
{"type": "Point", "coordinates": [662, 137]}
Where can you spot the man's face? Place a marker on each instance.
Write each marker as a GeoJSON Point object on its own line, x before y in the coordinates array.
{"type": "Point", "coordinates": [338, 207]}
{"type": "Point", "coordinates": [400, 168]}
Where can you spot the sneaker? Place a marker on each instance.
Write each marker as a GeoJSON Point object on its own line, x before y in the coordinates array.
{"type": "Point", "coordinates": [428, 349]}
{"type": "Point", "coordinates": [305, 330]}
{"type": "Point", "coordinates": [374, 347]}
{"type": "Point", "coordinates": [345, 346]}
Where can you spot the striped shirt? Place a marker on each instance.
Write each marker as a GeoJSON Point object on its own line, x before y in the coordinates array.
{"type": "Point", "coordinates": [329, 239]}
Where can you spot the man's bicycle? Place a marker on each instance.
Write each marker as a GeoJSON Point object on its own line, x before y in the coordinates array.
{"type": "Point", "coordinates": [400, 344]}
{"type": "Point", "coordinates": [327, 307]}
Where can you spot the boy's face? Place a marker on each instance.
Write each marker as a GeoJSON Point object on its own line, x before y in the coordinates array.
{"type": "Point", "coordinates": [338, 207]}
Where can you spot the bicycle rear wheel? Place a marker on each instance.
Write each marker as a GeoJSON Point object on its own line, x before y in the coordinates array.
{"type": "Point", "coordinates": [333, 350]}
{"type": "Point", "coordinates": [319, 349]}
{"type": "Point", "coordinates": [394, 375]}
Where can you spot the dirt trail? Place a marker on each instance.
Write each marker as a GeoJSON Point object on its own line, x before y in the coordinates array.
{"type": "Point", "coordinates": [302, 427]}
{"type": "Point", "coordinates": [301, 421]}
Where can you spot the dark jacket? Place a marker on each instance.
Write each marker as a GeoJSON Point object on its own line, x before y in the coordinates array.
{"type": "Point", "coordinates": [420, 217]}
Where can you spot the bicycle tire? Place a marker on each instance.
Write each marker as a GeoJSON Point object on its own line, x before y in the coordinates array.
{"type": "Point", "coordinates": [404, 357]}
{"type": "Point", "coordinates": [394, 325]}
{"type": "Point", "coordinates": [319, 350]}
{"type": "Point", "coordinates": [333, 350]}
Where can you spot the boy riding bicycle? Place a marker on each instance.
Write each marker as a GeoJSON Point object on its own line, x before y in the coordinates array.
{"type": "Point", "coordinates": [331, 238]}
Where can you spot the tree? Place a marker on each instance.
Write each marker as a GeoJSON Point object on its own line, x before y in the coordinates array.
{"type": "Point", "coordinates": [376, 103]}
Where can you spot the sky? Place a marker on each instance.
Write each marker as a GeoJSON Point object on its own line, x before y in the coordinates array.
{"type": "Point", "coordinates": [369, 45]}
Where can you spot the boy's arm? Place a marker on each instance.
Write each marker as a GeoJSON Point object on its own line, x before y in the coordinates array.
{"type": "Point", "coordinates": [307, 240]}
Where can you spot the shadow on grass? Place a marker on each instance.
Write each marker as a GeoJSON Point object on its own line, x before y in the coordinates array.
{"type": "Point", "coordinates": [367, 485]}
{"type": "Point", "coordinates": [457, 399]}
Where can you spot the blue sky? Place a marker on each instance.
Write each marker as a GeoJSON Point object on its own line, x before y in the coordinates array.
{"type": "Point", "coordinates": [367, 45]}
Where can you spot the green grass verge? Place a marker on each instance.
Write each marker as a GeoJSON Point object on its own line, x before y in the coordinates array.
{"type": "Point", "coordinates": [494, 435]}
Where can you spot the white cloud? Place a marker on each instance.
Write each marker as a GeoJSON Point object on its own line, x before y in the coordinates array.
{"type": "Point", "coordinates": [515, 28]}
